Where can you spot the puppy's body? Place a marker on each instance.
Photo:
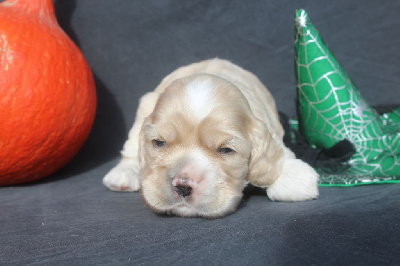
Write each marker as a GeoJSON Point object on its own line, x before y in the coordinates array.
{"type": "Point", "coordinates": [206, 131]}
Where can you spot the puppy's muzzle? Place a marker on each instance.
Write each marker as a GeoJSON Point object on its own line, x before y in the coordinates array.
{"type": "Point", "coordinates": [182, 187]}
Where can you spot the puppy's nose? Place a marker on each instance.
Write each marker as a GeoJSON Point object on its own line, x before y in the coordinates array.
{"type": "Point", "coordinates": [182, 187]}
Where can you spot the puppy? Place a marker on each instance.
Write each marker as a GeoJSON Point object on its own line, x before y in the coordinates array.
{"type": "Point", "coordinates": [208, 130]}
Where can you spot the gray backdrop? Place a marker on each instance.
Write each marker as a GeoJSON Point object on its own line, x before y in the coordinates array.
{"type": "Point", "coordinates": [70, 218]}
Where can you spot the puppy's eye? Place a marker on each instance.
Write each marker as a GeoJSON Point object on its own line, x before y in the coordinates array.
{"type": "Point", "coordinates": [159, 143]}
{"type": "Point", "coordinates": [225, 150]}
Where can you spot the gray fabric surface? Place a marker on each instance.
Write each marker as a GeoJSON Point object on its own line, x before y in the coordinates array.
{"type": "Point", "coordinates": [70, 218]}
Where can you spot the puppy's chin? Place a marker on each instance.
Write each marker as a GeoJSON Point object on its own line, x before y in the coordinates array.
{"type": "Point", "coordinates": [187, 208]}
{"type": "Point", "coordinates": [191, 206]}
{"type": "Point", "coordinates": [210, 194]}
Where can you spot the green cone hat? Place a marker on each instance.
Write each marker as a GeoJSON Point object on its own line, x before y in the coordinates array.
{"type": "Point", "coordinates": [331, 108]}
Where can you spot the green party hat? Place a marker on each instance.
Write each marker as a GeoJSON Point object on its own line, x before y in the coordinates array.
{"type": "Point", "coordinates": [332, 109]}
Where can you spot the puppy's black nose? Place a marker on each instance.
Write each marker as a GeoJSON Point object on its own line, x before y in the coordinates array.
{"type": "Point", "coordinates": [183, 190]}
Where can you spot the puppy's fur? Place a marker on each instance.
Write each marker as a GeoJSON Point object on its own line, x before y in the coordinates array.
{"type": "Point", "coordinates": [208, 130]}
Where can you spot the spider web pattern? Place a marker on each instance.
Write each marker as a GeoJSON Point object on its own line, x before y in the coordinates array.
{"type": "Point", "coordinates": [332, 109]}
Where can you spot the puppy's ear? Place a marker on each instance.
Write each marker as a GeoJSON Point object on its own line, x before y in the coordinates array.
{"type": "Point", "coordinates": [266, 157]}
{"type": "Point", "coordinates": [143, 152]}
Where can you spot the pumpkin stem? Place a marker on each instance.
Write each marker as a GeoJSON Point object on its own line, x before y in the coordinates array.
{"type": "Point", "coordinates": [44, 9]}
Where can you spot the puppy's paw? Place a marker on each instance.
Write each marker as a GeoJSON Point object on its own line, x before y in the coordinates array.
{"type": "Point", "coordinates": [297, 182]}
{"type": "Point", "coordinates": [123, 177]}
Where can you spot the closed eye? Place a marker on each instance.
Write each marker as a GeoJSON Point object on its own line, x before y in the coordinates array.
{"type": "Point", "coordinates": [225, 150]}
{"type": "Point", "coordinates": [159, 143]}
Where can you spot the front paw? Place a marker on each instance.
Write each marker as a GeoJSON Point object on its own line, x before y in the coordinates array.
{"type": "Point", "coordinates": [297, 182]}
{"type": "Point", "coordinates": [122, 178]}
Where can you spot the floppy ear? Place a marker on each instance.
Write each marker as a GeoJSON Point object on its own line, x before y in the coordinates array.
{"type": "Point", "coordinates": [143, 153]}
{"type": "Point", "coordinates": [266, 157]}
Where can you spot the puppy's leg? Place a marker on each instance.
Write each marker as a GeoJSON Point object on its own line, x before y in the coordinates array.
{"type": "Point", "coordinates": [298, 181]}
{"type": "Point", "coordinates": [125, 175]}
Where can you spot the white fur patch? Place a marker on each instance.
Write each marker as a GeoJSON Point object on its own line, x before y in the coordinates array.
{"type": "Point", "coordinates": [199, 93]}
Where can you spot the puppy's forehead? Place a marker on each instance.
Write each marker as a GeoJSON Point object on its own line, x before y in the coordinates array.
{"type": "Point", "coordinates": [200, 94]}
{"type": "Point", "coordinates": [197, 97]}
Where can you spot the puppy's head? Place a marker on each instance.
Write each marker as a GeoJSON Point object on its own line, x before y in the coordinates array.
{"type": "Point", "coordinates": [197, 146]}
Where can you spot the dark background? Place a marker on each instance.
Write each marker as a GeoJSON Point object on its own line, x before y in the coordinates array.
{"type": "Point", "coordinates": [71, 218]}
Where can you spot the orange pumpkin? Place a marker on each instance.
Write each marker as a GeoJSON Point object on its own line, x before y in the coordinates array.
{"type": "Point", "coordinates": [47, 93]}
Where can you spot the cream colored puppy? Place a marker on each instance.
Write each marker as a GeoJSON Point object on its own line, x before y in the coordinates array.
{"type": "Point", "coordinates": [208, 130]}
